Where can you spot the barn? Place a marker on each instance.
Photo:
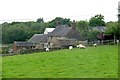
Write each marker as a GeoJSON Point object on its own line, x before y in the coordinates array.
{"type": "Point", "coordinates": [19, 45]}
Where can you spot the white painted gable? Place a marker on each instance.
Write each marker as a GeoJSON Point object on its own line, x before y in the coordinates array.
{"type": "Point", "coordinates": [47, 30]}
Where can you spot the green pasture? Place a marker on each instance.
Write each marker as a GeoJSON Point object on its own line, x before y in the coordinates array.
{"type": "Point", "coordinates": [92, 62]}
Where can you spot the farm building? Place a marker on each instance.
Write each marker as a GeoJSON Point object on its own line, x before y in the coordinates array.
{"type": "Point", "coordinates": [17, 46]}
{"type": "Point", "coordinates": [39, 40]}
{"type": "Point", "coordinates": [63, 36]}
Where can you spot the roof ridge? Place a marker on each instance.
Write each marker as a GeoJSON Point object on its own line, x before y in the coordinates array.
{"type": "Point", "coordinates": [43, 37]}
{"type": "Point", "coordinates": [67, 32]}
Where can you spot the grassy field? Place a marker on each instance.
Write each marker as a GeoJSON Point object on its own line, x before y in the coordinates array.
{"type": "Point", "coordinates": [92, 62]}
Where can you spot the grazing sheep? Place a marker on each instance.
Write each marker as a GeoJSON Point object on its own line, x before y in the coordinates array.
{"type": "Point", "coordinates": [81, 46]}
{"type": "Point", "coordinates": [70, 47]}
{"type": "Point", "coordinates": [78, 46]}
{"type": "Point", "coordinates": [47, 49]}
{"type": "Point", "coordinates": [95, 45]}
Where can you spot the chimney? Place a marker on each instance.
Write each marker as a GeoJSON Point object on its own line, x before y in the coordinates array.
{"type": "Point", "coordinates": [58, 23]}
{"type": "Point", "coordinates": [73, 24]}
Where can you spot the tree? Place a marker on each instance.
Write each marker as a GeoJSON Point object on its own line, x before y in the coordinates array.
{"type": "Point", "coordinates": [97, 20]}
{"type": "Point", "coordinates": [63, 21]}
{"type": "Point", "coordinates": [40, 20]}
{"type": "Point", "coordinates": [20, 31]}
{"type": "Point", "coordinates": [92, 35]}
{"type": "Point", "coordinates": [113, 29]}
{"type": "Point", "coordinates": [82, 25]}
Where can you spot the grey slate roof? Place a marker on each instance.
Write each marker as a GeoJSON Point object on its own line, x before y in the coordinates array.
{"type": "Point", "coordinates": [73, 33]}
{"type": "Point", "coordinates": [60, 31]}
{"type": "Point", "coordinates": [19, 43]}
{"type": "Point", "coordinates": [99, 28]}
{"type": "Point", "coordinates": [65, 31]}
{"type": "Point", "coordinates": [37, 38]}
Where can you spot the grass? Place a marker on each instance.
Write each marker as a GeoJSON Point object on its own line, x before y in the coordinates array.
{"type": "Point", "coordinates": [92, 62]}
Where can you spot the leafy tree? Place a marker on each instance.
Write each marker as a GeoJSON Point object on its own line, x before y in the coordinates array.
{"type": "Point", "coordinates": [113, 29]}
{"type": "Point", "coordinates": [40, 20]}
{"type": "Point", "coordinates": [82, 25]}
{"type": "Point", "coordinates": [92, 35]}
{"type": "Point", "coordinates": [63, 21]}
{"type": "Point", "coordinates": [97, 20]}
{"type": "Point", "coordinates": [20, 31]}
{"type": "Point", "coordinates": [11, 34]}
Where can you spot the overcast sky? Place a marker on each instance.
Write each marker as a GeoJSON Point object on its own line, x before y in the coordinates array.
{"type": "Point", "coordinates": [27, 10]}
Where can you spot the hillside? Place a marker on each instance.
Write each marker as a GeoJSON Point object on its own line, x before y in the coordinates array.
{"type": "Point", "coordinates": [92, 62]}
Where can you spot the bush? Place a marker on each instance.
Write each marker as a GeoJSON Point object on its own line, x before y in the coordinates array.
{"type": "Point", "coordinates": [111, 43]}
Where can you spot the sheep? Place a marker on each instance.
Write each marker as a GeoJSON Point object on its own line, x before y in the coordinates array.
{"type": "Point", "coordinates": [95, 45]}
{"type": "Point", "coordinates": [78, 46]}
{"type": "Point", "coordinates": [81, 46]}
{"type": "Point", "coordinates": [47, 49]}
{"type": "Point", "coordinates": [70, 47]}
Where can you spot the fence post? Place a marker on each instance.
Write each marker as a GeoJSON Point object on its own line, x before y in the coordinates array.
{"type": "Point", "coordinates": [108, 42]}
{"type": "Point", "coordinates": [117, 42]}
{"type": "Point", "coordinates": [114, 39]}
{"type": "Point", "coordinates": [102, 41]}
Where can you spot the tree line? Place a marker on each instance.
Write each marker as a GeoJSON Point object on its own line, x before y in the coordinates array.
{"type": "Point", "coordinates": [22, 31]}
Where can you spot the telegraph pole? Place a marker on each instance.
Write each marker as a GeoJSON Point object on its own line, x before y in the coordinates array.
{"type": "Point", "coordinates": [119, 38]}
{"type": "Point", "coordinates": [119, 21]}
{"type": "Point", "coordinates": [119, 17]}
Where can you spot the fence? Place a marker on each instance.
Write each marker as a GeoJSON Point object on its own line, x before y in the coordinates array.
{"type": "Point", "coordinates": [104, 42]}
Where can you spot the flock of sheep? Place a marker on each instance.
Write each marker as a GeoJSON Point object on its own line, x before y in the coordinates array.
{"type": "Point", "coordinates": [78, 46]}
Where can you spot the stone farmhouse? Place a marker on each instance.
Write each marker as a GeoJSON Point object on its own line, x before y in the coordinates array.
{"type": "Point", "coordinates": [63, 36]}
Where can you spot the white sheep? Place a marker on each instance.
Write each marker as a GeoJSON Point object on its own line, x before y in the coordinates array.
{"type": "Point", "coordinates": [70, 47]}
{"type": "Point", "coordinates": [95, 45]}
{"type": "Point", "coordinates": [78, 46]}
{"type": "Point", "coordinates": [81, 46]}
{"type": "Point", "coordinates": [47, 49]}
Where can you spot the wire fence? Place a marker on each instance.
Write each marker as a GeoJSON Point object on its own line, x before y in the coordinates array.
{"type": "Point", "coordinates": [104, 42]}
